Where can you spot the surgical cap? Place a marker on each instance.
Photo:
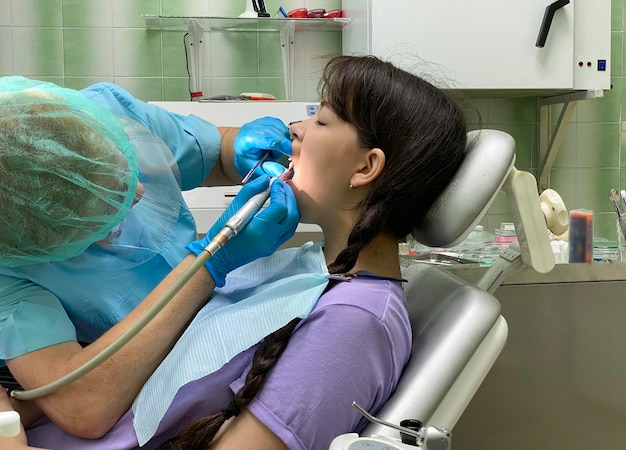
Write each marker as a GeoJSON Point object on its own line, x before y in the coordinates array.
{"type": "Point", "coordinates": [68, 173]}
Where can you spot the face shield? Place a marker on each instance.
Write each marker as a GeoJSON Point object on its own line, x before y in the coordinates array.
{"type": "Point", "coordinates": [149, 224]}
{"type": "Point", "coordinates": [70, 172]}
{"type": "Point", "coordinates": [67, 170]}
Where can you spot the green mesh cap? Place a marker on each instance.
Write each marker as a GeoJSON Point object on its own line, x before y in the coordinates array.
{"type": "Point", "coordinates": [68, 173]}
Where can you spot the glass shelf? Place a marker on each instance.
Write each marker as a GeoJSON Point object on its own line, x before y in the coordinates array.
{"type": "Point", "coordinates": [196, 26]}
{"type": "Point", "coordinates": [181, 23]}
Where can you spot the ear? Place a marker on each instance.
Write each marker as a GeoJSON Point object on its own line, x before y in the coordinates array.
{"type": "Point", "coordinates": [372, 165]}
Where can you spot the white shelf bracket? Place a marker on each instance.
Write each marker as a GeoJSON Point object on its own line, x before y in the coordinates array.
{"type": "Point", "coordinates": [549, 147]}
{"type": "Point", "coordinates": [196, 53]}
{"type": "Point", "coordinates": [287, 49]}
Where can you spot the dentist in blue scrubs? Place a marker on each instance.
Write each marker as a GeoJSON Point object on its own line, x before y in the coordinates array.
{"type": "Point", "coordinates": [95, 229]}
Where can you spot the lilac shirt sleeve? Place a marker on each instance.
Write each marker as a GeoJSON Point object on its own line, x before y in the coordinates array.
{"type": "Point", "coordinates": [194, 142]}
{"type": "Point", "coordinates": [352, 347]}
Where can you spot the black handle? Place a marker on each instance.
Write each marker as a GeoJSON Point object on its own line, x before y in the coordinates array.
{"type": "Point", "coordinates": [547, 21]}
{"type": "Point", "coordinates": [259, 7]}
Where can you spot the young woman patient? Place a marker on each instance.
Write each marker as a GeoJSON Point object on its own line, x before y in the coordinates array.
{"type": "Point", "coordinates": [367, 167]}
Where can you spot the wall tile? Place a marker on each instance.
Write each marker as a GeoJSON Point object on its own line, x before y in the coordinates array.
{"type": "Point", "coordinates": [144, 88]}
{"type": "Point", "coordinates": [87, 13]}
{"type": "Point", "coordinates": [88, 52]}
{"type": "Point", "coordinates": [5, 13]}
{"type": "Point", "coordinates": [127, 13]}
{"type": "Point", "coordinates": [598, 145]}
{"type": "Point", "coordinates": [40, 51]}
{"type": "Point", "coordinates": [230, 8]}
{"type": "Point", "coordinates": [566, 154]}
{"type": "Point", "coordinates": [232, 54]}
{"type": "Point", "coordinates": [176, 89]}
{"type": "Point", "coordinates": [564, 182]}
{"type": "Point", "coordinates": [6, 50]}
{"type": "Point", "coordinates": [79, 83]}
{"type": "Point", "coordinates": [476, 109]}
{"type": "Point", "coordinates": [270, 55]}
{"type": "Point", "coordinates": [319, 47]}
{"type": "Point", "coordinates": [142, 58]}
{"type": "Point", "coordinates": [175, 56]}
{"type": "Point", "coordinates": [185, 8]}
{"type": "Point", "coordinates": [593, 186]}
{"type": "Point", "coordinates": [511, 110]}
{"type": "Point", "coordinates": [617, 15]}
{"type": "Point", "coordinates": [604, 225]}
{"type": "Point", "coordinates": [604, 109]}
{"type": "Point", "coordinates": [274, 86]}
{"type": "Point", "coordinates": [232, 85]}
{"type": "Point", "coordinates": [36, 13]}
{"type": "Point", "coordinates": [326, 4]}
{"type": "Point", "coordinates": [622, 159]}
{"type": "Point", "coordinates": [617, 50]}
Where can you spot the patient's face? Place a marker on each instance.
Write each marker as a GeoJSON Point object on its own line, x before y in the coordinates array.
{"type": "Point", "coordinates": [325, 154]}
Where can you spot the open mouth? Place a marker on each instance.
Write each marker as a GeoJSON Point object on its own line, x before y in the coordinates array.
{"type": "Point", "coordinates": [288, 173]}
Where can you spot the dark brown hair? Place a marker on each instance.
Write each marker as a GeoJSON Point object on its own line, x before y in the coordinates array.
{"type": "Point", "coordinates": [423, 134]}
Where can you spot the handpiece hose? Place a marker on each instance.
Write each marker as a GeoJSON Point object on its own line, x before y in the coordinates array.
{"type": "Point", "coordinates": [235, 224]}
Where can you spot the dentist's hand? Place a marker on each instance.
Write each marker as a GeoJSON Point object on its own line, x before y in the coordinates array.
{"type": "Point", "coordinates": [267, 230]}
{"type": "Point", "coordinates": [254, 139]}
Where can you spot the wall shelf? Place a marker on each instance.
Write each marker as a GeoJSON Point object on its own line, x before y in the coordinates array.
{"type": "Point", "coordinates": [198, 25]}
{"type": "Point", "coordinates": [178, 23]}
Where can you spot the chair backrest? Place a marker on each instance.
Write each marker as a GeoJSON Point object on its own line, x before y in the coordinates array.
{"type": "Point", "coordinates": [458, 331]}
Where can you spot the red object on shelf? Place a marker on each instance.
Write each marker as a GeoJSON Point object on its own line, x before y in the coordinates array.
{"type": "Point", "coordinates": [300, 13]}
{"type": "Point", "coordinates": [335, 13]}
{"type": "Point", "coordinates": [316, 13]}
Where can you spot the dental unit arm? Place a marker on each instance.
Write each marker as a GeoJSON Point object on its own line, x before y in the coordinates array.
{"type": "Point", "coordinates": [235, 224]}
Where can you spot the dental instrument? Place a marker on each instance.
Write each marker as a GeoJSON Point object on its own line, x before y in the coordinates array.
{"type": "Point", "coordinates": [235, 224]}
{"type": "Point", "coordinates": [241, 218]}
{"type": "Point", "coordinates": [414, 434]}
{"type": "Point", "coordinates": [256, 166]}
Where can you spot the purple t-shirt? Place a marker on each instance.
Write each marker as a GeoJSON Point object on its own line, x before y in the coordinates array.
{"type": "Point", "coordinates": [352, 347]}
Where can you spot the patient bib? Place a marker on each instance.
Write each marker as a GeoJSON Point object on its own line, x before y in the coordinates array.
{"type": "Point", "coordinates": [258, 298]}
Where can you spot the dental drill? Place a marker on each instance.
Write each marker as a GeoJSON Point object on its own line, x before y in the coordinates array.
{"type": "Point", "coordinates": [235, 224]}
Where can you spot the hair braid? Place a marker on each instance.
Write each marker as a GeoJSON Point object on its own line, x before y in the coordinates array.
{"type": "Point", "coordinates": [198, 434]}
{"type": "Point", "coordinates": [364, 231]}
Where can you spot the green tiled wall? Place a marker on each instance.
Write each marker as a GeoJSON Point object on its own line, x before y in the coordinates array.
{"type": "Point", "coordinates": [78, 42]}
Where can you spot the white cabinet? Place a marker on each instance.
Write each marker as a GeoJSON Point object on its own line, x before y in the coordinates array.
{"type": "Point", "coordinates": [487, 44]}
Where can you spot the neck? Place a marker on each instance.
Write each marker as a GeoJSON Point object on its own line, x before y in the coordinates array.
{"type": "Point", "coordinates": [380, 257]}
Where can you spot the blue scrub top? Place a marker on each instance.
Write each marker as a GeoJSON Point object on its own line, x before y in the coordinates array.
{"type": "Point", "coordinates": [81, 298]}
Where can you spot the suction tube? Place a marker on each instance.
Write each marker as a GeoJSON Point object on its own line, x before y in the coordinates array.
{"type": "Point", "coordinates": [235, 224]}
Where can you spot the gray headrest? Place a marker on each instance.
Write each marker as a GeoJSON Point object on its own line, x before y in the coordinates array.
{"type": "Point", "coordinates": [489, 159]}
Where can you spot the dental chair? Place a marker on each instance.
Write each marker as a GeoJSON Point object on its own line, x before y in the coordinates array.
{"type": "Point", "coordinates": [458, 331]}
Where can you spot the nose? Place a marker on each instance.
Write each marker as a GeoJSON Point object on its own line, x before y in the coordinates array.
{"type": "Point", "coordinates": [296, 130]}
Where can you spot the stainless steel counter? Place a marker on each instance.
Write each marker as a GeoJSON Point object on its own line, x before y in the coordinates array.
{"type": "Point", "coordinates": [560, 382]}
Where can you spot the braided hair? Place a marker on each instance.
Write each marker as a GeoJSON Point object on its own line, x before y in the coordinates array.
{"type": "Point", "coordinates": [423, 135]}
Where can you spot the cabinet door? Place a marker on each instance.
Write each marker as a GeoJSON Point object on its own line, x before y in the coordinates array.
{"type": "Point", "coordinates": [480, 44]}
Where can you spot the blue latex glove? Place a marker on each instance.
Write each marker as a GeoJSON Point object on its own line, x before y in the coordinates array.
{"type": "Point", "coordinates": [254, 139]}
{"type": "Point", "coordinates": [267, 230]}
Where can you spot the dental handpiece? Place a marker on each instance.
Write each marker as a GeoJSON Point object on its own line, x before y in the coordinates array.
{"type": "Point", "coordinates": [243, 215]}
